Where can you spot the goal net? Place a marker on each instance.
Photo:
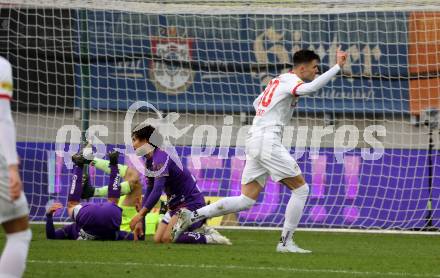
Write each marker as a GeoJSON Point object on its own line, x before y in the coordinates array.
{"type": "Point", "coordinates": [367, 143]}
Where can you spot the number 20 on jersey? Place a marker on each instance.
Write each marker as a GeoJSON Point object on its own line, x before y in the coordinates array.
{"type": "Point", "coordinates": [267, 96]}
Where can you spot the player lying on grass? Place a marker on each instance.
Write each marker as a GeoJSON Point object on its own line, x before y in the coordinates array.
{"type": "Point", "coordinates": [178, 184]}
{"type": "Point", "coordinates": [130, 201]}
{"type": "Point", "coordinates": [92, 221]}
{"type": "Point", "coordinates": [266, 155]}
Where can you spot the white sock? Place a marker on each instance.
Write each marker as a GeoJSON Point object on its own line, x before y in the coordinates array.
{"type": "Point", "coordinates": [294, 211]}
{"type": "Point", "coordinates": [224, 206]}
{"type": "Point", "coordinates": [13, 260]}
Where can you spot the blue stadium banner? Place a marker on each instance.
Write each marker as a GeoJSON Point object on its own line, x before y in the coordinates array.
{"type": "Point", "coordinates": [205, 63]}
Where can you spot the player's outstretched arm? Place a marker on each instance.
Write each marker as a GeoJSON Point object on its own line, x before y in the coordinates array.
{"type": "Point", "coordinates": [51, 233]}
{"type": "Point", "coordinates": [323, 79]}
{"type": "Point", "coordinates": [150, 199]}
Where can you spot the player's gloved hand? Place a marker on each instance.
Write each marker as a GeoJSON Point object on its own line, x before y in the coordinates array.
{"type": "Point", "coordinates": [79, 160]}
{"type": "Point", "coordinates": [88, 190]}
{"type": "Point", "coordinates": [113, 157]}
{"type": "Point", "coordinates": [15, 185]}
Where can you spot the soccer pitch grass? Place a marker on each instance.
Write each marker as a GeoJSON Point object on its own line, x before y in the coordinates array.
{"type": "Point", "coordinates": [251, 255]}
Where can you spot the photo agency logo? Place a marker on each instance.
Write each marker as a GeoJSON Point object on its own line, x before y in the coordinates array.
{"type": "Point", "coordinates": [68, 139]}
{"type": "Point", "coordinates": [165, 129]}
{"type": "Point", "coordinates": [206, 138]}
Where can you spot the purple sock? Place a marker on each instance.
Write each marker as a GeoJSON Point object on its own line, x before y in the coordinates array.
{"type": "Point", "coordinates": [192, 238]}
{"type": "Point", "coordinates": [114, 187]}
{"type": "Point", "coordinates": [123, 235]}
{"type": "Point", "coordinates": [75, 190]}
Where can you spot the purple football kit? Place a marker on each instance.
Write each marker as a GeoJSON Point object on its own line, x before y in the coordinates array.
{"type": "Point", "coordinates": [92, 221]}
{"type": "Point", "coordinates": [181, 189]}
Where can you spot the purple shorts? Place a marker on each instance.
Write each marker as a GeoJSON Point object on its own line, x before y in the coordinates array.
{"type": "Point", "coordinates": [100, 220]}
{"type": "Point", "coordinates": [192, 206]}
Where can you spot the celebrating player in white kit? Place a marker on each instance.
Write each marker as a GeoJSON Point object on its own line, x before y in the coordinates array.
{"type": "Point", "coordinates": [265, 154]}
{"type": "Point", "coordinates": [13, 205]}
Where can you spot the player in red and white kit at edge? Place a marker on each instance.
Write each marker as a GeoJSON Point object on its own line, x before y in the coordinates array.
{"type": "Point", "coordinates": [265, 154]}
{"type": "Point", "coordinates": [14, 209]}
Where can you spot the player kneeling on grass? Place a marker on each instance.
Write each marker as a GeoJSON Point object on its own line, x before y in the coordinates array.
{"type": "Point", "coordinates": [91, 221]}
{"type": "Point", "coordinates": [179, 185]}
{"type": "Point", "coordinates": [265, 153]}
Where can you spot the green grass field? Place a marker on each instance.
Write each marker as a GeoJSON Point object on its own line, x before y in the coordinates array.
{"type": "Point", "coordinates": [251, 255]}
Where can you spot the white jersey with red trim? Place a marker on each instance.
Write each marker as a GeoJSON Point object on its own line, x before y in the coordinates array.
{"type": "Point", "coordinates": [5, 79]}
{"type": "Point", "coordinates": [8, 154]}
{"type": "Point", "coordinates": [274, 106]}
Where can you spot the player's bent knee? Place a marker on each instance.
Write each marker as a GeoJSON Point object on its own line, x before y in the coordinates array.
{"type": "Point", "coordinates": [299, 180]}
{"type": "Point", "coordinates": [157, 238]}
{"type": "Point", "coordinates": [166, 239]}
{"type": "Point", "coordinates": [294, 182]}
{"type": "Point", "coordinates": [252, 189]}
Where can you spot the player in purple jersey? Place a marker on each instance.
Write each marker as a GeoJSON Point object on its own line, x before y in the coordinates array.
{"type": "Point", "coordinates": [91, 221]}
{"type": "Point", "coordinates": [165, 175]}
{"type": "Point", "coordinates": [73, 231]}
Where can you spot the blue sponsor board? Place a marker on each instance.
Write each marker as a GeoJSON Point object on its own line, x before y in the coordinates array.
{"type": "Point", "coordinates": [354, 193]}
{"type": "Point", "coordinates": [128, 51]}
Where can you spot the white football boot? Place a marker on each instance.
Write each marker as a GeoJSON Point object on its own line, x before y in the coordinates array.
{"type": "Point", "coordinates": [182, 224]}
{"type": "Point", "coordinates": [205, 229]}
{"type": "Point", "coordinates": [291, 247]}
{"type": "Point", "coordinates": [214, 237]}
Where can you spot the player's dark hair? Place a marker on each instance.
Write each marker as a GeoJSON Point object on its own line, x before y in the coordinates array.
{"type": "Point", "coordinates": [147, 132]}
{"type": "Point", "coordinates": [304, 56]}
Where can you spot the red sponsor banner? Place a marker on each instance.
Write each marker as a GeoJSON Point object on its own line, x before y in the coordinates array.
{"type": "Point", "coordinates": [424, 60]}
{"type": "Point", "coordinates": [424, 42]}
{"type": "Point", "coordinates": [425, 93]}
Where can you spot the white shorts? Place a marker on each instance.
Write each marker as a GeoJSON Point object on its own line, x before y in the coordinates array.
{"type": "Point", "coordinates": [265, 155]}
{"type": "Point", "coordinates": [10, 210]}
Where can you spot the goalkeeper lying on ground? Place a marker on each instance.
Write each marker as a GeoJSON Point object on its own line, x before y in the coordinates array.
{"type": "Point", "coordinates": [91, 221]}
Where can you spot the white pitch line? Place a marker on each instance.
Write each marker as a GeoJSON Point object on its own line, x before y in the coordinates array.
{"type": "Point", "coordinates": [240, 267]}
{"type": "Point", "coordinates": [325, 230]}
